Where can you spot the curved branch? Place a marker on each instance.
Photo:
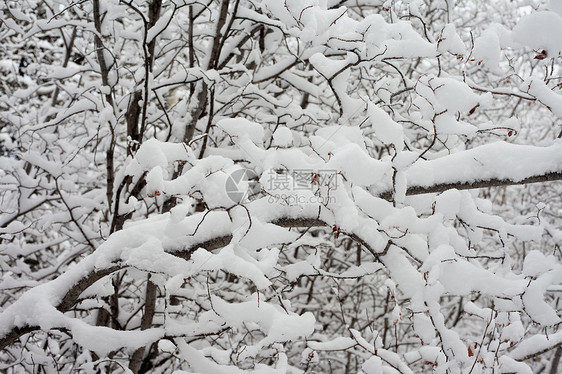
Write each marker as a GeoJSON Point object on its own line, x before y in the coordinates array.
{"type": "Point", "coordinates": [84, 276]}
{"type": "Point", "coordinates": [444, 174]}
{"type": "Point", "coordinates": [65, 304]}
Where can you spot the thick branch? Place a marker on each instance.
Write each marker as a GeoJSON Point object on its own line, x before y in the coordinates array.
{"type": "Point", "coordinates": [65, 304]}
{"type": "Point", "coordinates": [490, 165]}
{"type": "Point", "coordinates": [146, 322]}
{"type": "Point", "coordinates": [484, 183]}
{"type": "Point", "coordinates": [69, 299]}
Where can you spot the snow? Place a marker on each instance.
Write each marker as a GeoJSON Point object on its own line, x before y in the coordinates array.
{"type": "Point", "coordinates": [385, 129]}
{"type": "Point", "coordinates": [166, 346]}
{"type": "Point", "coordinates": [300, 83]}
{"type": "Point", "coordinates": [534, 299]}
{"type": "Point", "coordinates": [451, 94]}
{"type": "Point", "coordinates": [535, 344]}
{"type": "Point", "coordinates": [155, 180]}
{"type": "Point", "coordinates": [450, 41]}
{"type": "Point", "coordinates": [229, 261]}
{"type": "Point", "coordinates": [35, 158]}
{"type": "Point", "coordinates": [544, 94]}
{"type": "Point", "coordinates": [282, 137]}
{"type": "Point", "coordinates": [509, 365]}
{"type": "Point", "coordinates": [395, 40]}
{"type": "Point", "coordinates": [60, 72]}
{"type": "Point", "coordinates": [540, 30]}
{"type": "Point", "coordinates": [555, 6]}
{"type": "Point", "coordinates": [440, 272]}
{"type": "Point", "coordinates": [361, 161]}
{"type": "Point", "coordinates": [448, 203]}
{"type": "Point", "coordinates": [461, 278]}
{"type": "Point", "coordinates": [329, 67]}
{"type": "Point", "coordinates": [487, 49]}
{"type": "Point", "coordinates": [242, 128]}
{"type": "Point", "coordinates": [339, 136]}
{"type": "Point", "coordinates": [536, 263]}
{"type": "Point", "coordinates": [150, 155]}
{"type": "Point", "coordinates": [275, 323]}
{"type": "Point", "coordinates": [363, 269]}
{"type": "Point", "coordinates": [333, 345]}
{"type": "Point", "coordinates": [496, 160]}
{"type": "Point", "coordinates": [269, 71]}
{"type": "Point", "coordinates": [280, 10]}
{"type": "Point", "coordinates": [160, 26]}
{"type": "Point", "coordinates": [199, 363]}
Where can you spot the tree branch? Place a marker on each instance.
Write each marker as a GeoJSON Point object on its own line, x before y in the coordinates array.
{"type": "Point", "coordinates": [482, 183]}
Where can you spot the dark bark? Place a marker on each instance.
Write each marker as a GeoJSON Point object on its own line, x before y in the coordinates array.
{"type": "Point", "coordinates": [146, 322]}
{"type": "Point", "coordinates": [483, 183]}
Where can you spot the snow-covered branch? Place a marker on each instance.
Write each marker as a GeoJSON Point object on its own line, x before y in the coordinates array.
{"type": "Point", "coordinates": [265, 186]}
